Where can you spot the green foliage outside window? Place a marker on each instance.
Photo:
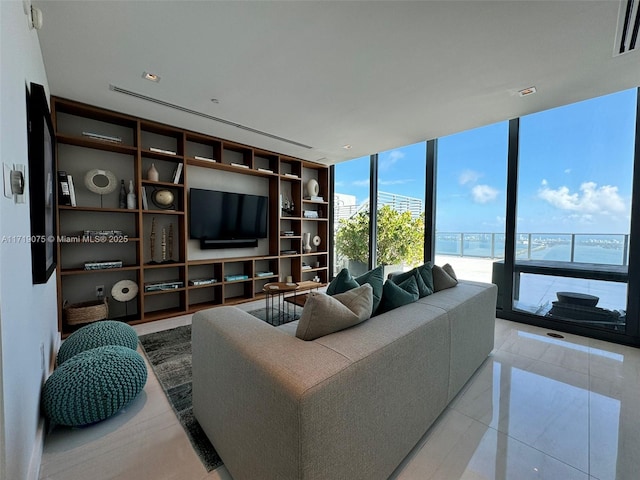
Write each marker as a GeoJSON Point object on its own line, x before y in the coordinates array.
{"type": "Point", "coordinates": [400, 237]}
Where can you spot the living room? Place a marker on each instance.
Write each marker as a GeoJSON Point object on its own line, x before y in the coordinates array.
{"type": "Point", "coordinates": [380, 77]}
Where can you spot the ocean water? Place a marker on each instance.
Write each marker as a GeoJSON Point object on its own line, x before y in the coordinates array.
{"type": "Point", "coordinates": [601, 249]}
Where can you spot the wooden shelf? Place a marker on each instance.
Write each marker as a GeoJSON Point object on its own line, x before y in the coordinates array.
{"type": "Point", "coordinates": [139, 135]}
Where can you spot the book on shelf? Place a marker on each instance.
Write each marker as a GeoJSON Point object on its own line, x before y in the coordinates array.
{"type": "Point", "coordinates": [288, 252]}
{"type": "Point", "coordinates": [291, 175]}
{"type": "Point", "coordinates": [233, 278]}
{"type": "Point", "coordinates": [102, 233]}
{"type": "Point", "coordinates": [264, 274]}
{"type": "Point", "coordinates": [103, 138]}
{"type": "Point", "coordinates": [72, 191]}
{"type": "Point", "coordinates": [310, 214]}
{"type": "Point", "coordinates": [64, 197]}
{"type": "Point", "coordinates": [315, 199]}
{"type": "Point", "coordinates": [206, 159]}
{"type": "Point", "coordinates": [240, 165]}
{"type": "Point", "coordinates": [145, 202]}
{"type": "Point", "coordinates": [177, 172]}
{"type": "Point", "coordinates": [287, 233]}
{"type": "Point", "coordinates": [266, 170]}
{"type": "Point", "coordinates": [102, 264]}
{"type": "Point", "coordinates": [161, 286]}
{"type": "Point", "coordinates": [202, 281]}
{"type": "Point", "coordinates": [160, 150]}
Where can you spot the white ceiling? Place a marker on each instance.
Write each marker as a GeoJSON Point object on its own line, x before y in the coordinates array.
{"type": "Point", "coordinates": [373, 74]}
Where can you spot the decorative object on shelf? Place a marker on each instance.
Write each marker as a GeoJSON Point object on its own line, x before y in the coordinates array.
{"type": "Point", "coordinates": [145, 202]}
{"type": "Point", "coordinates": [163, 199]}
{"type": "Point", "coordinates": [131, 197]}
{"type": "Point", "coordinates": [102, 264]}
{"type": "Point", "coordinates": [317, 241]}
{"type": "Point", "coordinates": [152, 240]}
{"type": "Point", "coordinates": [313, 188]}
{"type": "Point", "coordinates": [86, 312]}
{"type": "Point", "coordinates": [171, 242]}
{"type": "Point", "coordinates": [152, 173]}
{"type": "Point", "coordinates": [100, 181]}
{"type": "Point", "coordinates": [286, 206]}
{"type": "Point", "coordinates": [316, 279]}
{"type": "Point", "coordinates": [310, 214]}
{"type": "Point", "coordinates": [123, 195]}
{"type": "Point", "coordinates": [124, 291]}
{"type": "Point", "coordinates": [163, 245]}
{"type": "Point", "coordinates": [306, 245]}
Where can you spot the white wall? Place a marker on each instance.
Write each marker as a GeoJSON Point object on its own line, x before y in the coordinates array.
{"type": "Point", "coordinates": [28, 316]}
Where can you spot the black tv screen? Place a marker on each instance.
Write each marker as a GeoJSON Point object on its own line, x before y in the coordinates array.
{"type": "Point", "coordinates": [226, 217]}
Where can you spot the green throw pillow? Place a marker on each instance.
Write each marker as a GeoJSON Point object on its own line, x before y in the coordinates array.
{"type": "Point", "coordinates": [394, 296]}
{"type": "Point", "coordinates": [422, 287]}
{"type": "Point", "coordinates": [427, 275]}
{"type": "Point", "coordinates": [375, 278]}
{"type": "Point", "coordinates": [341, 283]}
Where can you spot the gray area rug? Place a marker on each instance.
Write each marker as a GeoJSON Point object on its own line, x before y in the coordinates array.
{"type": "Point", "coordinates": [169, 353]}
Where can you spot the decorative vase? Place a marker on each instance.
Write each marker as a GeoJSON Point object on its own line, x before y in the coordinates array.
{"type": "Point", "coordinates": [307, 245]}
{"type": "Point", "coordinates": [313, 188]}
{"type": "Point", "coordinates": [131, 197]}
{"type": "Point", "coordinates": [152, 173]}
{"type": "Point", "coordinates": [123, 195]}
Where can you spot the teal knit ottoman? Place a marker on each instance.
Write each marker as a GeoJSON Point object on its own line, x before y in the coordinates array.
{"type": "Point", "coordinates": [98, 334]}
{"type": "Point", "coordinates": [93, 385]}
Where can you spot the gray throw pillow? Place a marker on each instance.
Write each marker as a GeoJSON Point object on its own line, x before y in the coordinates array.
{"type": "Point", "coordinates": [441, 279]}
{"type": "Point", "coordinates": [324, 314]}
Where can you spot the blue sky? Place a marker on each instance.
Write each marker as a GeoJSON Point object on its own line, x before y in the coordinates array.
{"type": "Point", "coordinates": [574, 176]}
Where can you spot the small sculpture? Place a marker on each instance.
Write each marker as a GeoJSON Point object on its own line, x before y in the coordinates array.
{"type": "Point", "coordinates": [131, 197]}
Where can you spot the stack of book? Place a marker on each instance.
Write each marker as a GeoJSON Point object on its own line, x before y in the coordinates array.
{"type": "Point", "coordinates": [315, 199]}
{"type": "Point", "coordinates": [102, 264]}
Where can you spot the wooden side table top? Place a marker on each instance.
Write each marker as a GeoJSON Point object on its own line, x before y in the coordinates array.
{"type": "Point", "coordinates": [275, 287]}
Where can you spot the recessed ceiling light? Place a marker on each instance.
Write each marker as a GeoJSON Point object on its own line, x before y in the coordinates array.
{"type": "Point", "coordinates": [347, 147]}
{"type": "Point", "coordinates": [151, 76]}
{"type": "Point", "coordinates": [215, 100]}
{"type": "Point", "coordinates": [527, 91]}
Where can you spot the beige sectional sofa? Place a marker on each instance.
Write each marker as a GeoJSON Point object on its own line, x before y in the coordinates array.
{"type": "Point", "coordinates": [350, 405]}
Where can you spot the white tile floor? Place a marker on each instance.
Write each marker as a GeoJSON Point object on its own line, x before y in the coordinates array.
{"type": "Point", "coordinates": [539, 407]}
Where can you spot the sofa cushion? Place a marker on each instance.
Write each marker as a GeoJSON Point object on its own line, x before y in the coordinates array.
{"type": "Point", "coordinates": [449, 269]}
{"type": "Point", "coordinates": [323, 314]}
{"type": "Point", "coordinates": [423, 289]}
{"type": "Point", "coordinates": [341, 283]}
{"type": "Point", "coordinates": [427, 275]}
{"type": "Point", "coordinates": [375, 278]}
{"type": "Point", "coordinates": [441, 279]}
{"type": "Point", "coordinates": [394, 296]}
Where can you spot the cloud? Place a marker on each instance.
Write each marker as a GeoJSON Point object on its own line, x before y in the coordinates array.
{"type": "Point", "coordinates": [396, 182]}
{"type": "Point", "coordinates": [469, 176]}
{"type": "Point", "coordinates": [338, 184]}
{"type": "Point", "coordinates": [361, 183]}
{"type": "Point", "coordinates": [484, 193]}
{"type": "Point", "coordinates": [567, 171]}
{"type": "Point", "coordinates": [590, 198]}
{"type": "Point", "coordinates": [390, 159]}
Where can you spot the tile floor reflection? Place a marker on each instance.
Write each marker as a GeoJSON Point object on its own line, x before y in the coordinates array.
{"type": "Point", "coordinates": [538, 408]}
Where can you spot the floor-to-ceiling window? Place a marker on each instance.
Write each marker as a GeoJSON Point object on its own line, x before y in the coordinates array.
{"type": "Point", "coordinates": [574, 196]}
{"type": "Point", "coordinates": [470, 200]}
{"type": "Point", "coordinates": [351, 215]}
{"type": "Point", "coordinates": [400, 218]}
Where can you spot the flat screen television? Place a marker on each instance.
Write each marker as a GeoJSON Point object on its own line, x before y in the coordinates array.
{"type": "Point", "coordinates": [225, 219]}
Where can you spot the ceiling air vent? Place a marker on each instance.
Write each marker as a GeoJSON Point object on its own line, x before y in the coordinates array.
{"type": "Point", "coordinates": [628, 24]}
{"type": "Point", "coordinates": [205, 115]}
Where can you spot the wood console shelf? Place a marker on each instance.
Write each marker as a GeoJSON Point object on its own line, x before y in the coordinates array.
{"type": "Point", "coordinates": [176, 283]}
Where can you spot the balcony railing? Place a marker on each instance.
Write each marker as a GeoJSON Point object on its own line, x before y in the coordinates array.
{"type": "Point", "coordinates": [610, 249]}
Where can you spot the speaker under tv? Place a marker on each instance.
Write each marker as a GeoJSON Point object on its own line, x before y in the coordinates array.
{"type": "Point", "coordinates": [227, 219]}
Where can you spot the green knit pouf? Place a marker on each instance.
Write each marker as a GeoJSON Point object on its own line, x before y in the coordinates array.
{"type": "Point", "coordinates": [98, 334]}
{"type": "Point", "coordinates": [93, 385]}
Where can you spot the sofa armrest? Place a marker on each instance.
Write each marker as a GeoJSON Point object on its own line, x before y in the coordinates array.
{"type": "Point", "coordinates": [248, 382]}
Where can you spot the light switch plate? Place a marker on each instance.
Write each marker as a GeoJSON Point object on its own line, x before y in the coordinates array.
{"type": "Point", "coordinates": [7, 180]}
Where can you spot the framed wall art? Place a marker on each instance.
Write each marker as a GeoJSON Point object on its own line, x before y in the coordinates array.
{"type": "Point", "coordinates": [42, 178]}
